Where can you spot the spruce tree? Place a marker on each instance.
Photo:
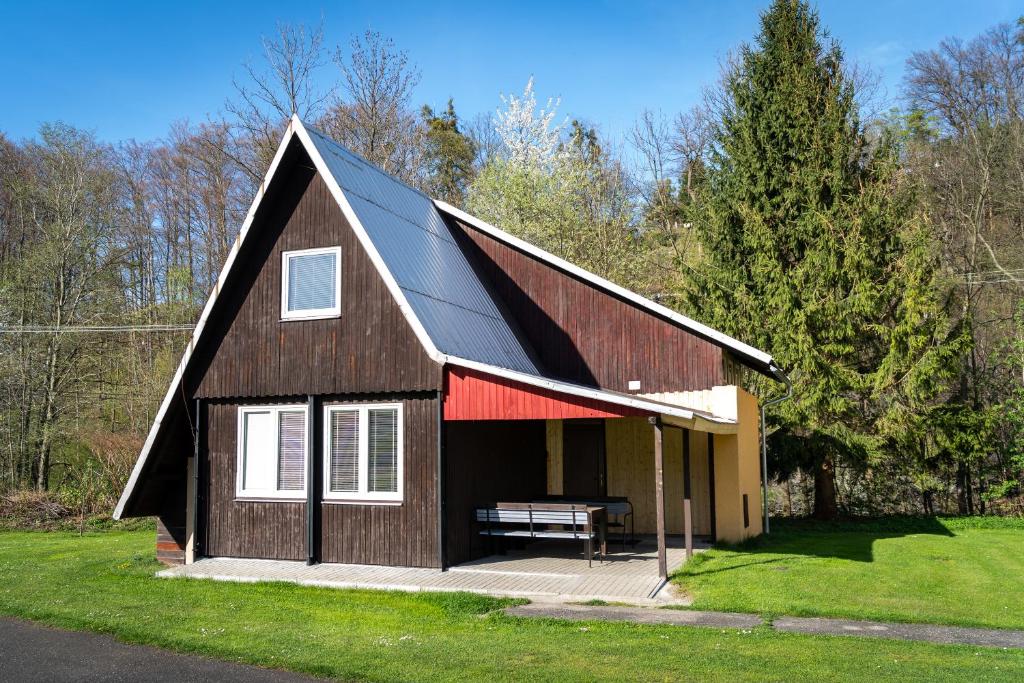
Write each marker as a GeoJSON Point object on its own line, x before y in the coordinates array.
{"type": "Point", "coordinates": [812, 250]}
{"type": "Point", "coordinates": [448, 155]}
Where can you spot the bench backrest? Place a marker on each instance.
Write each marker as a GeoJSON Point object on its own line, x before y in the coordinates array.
{"type": "Point", "coordinates": [535, 515]}
{"type": "Point", "coordinates": [612, 507]}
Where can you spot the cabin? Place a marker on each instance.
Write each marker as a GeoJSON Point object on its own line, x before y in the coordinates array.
{"type": "Point", "coordinates": [373, 366]}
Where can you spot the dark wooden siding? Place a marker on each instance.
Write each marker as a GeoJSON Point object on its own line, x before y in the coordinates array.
{"type": "Point", "coordinates": [586, 335]}
{"type": "Point", "coordinates": [250, 356]}
{"type": "Point", "coordinates": [486, 462]}
{"type": "Point", "coordinates": [402, 535]}
{"type": "Point", "coordinates": [242, 528]}
{"type": "Point", "coordinates": [370, 348]}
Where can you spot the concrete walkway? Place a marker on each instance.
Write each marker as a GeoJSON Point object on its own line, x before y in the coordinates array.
{"type": "Point", "coordinates": [546, 571]}
{"type": "Point", "coordinates": [947, 635]}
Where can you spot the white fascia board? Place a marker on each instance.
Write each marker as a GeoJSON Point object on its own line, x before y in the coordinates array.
{"type": "Point", "coordinates": [367, 243]}
{"type": "Point", "coordinates": [133, 479]}
{"type": "Point", "coordinates": [607, 285]}
{"type": "Point", "coordinates": [584, 392]}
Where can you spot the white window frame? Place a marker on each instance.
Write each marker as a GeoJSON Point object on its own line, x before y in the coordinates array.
{"type": "Point", "coordinates": [312, 313]}
{"type": "Point", "coordinates": [263, 494]}
{"type": "Point", "coordinates": [363, 495]}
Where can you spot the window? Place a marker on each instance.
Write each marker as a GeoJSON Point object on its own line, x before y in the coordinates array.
{"type": "Point", "coordinates": [271, 452]}
{"type": "Point", "coordinates": [311, 284]}
{"type": "Point", "coordinates": [363, 452]}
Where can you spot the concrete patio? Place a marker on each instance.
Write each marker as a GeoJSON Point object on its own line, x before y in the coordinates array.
{"type": "Point", "coordinates": [545, 571]}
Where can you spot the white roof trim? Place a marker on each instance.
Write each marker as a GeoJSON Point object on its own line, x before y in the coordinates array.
{"type": "Point", "coordinates": [201, 325]}
{"type": "Point", "coordinates": [588, 392]}
{"type": "Point", "coordinates": [294, 128]}
{"type": "Point", "coordinates": [597, 280]}
{"type": "Point", "coordinates": [364, 239]}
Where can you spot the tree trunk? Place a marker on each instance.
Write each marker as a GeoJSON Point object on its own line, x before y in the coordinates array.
{"type": "Point", "coordinates": [964, 499]}
{"type": "Point", "coordinates": [825, 490]}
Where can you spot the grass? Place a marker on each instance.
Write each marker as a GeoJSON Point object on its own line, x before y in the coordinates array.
{"type": "Point", "coordinates": [104, 582]}
{"type": "Point", "coordinates": [966, 572]}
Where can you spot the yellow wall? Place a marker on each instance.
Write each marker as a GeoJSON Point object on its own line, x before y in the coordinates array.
{"type": "Point", "coordinates": [555, 447]}
{"type": "Point", "coordinates": [738, 472]}
{"type": "Point", "coordinates": [700, 500]}
{"type": "Point", "coordinates": [629, 445]}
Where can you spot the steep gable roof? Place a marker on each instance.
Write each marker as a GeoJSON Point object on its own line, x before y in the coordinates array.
{"type": "Point", "coordinates": [414, 248]}
{"type": "Point", "coordinates": [753, 358]}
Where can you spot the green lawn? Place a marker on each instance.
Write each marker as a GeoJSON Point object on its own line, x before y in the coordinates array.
{"type": "Point", "coordinates": [957, 571]}
{"type": "Point", "coordinates": [103, 582]}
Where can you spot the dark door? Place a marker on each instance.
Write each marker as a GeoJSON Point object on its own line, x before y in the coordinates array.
{"type": "Point", "coordinates": [583, 459]}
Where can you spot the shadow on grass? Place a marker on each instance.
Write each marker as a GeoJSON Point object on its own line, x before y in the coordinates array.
{"type": "Point", "coordinates": [849, 539]}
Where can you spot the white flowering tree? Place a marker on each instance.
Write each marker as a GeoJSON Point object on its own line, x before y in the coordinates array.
{"type": "Point", "coordinates": [531, 138]}
{"type": "Point", "coordinates": [554, 186]}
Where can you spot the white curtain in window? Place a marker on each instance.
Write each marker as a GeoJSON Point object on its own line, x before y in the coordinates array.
{"type": "Point", "coordinates": [259, 434]}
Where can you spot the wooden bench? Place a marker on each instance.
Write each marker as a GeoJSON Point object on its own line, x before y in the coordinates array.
{"type": "Point", "coordinates": [537, 520]}
{"type": "Point", "coordinates": [617, 509]}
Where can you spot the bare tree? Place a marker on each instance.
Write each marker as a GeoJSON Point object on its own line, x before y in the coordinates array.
{"type": "Point", "coordinates": [486, 141]}
{"type": "Point", "coordinates": [282, 85]}
{"type": "Point", "coordinates": [373, 117]}
{"type": "Point", "coordinates": [67, 275]}
{"type": "Point", "coordinates": [968, 151]}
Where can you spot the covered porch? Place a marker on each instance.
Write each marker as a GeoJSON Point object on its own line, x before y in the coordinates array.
{"type": "Point", "coordinates": [690, 474]}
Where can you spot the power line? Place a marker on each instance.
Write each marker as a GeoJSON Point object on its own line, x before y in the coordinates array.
{"type": "Point", "coordinates": [46, 329]}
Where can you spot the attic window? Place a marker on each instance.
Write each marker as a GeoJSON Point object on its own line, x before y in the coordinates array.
{"type": "Point", "coordinates": [311, 284]}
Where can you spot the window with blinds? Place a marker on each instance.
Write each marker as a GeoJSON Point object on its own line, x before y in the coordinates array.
{"type": "Point", "coordinates": [291, 451]}
{"type": "Point", "coordinates": [383, 450]}
{"type": "Point", "coordinates": [311, 283]}
{"type": "Point", "coordinates": [271, 452]}
{"type": "Point", "coordinates": [344, 451]}
{"type": "Point", "coordinates": [363, 452]}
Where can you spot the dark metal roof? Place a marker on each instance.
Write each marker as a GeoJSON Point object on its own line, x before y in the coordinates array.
{"type": "Point", "coordinates": [419, 250]}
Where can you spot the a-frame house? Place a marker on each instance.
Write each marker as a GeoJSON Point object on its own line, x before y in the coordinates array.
{"type": "Point", "coordinates": [373, 364]}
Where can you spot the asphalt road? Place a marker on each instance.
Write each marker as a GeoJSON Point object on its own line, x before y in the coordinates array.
{"type": "Point", "coordinates": [29, 652]}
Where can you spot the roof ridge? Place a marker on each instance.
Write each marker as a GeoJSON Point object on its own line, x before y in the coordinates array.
{"type": "Point", "coordinates": [363, 160]}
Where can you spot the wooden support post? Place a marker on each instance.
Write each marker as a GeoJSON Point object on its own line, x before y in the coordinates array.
{"type": "Point", "coordinates": [687, 496]}
{"type": "Point", "coordinates": [711, 487]}
{"type": "Point", "coordinates": [688, 528]}
{"type": "Point", "coordinates": [659, 495]}
{"type": "Point", "coordinates": [555, 440]}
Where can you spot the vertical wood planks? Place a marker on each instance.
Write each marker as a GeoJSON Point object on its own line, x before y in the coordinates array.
{"type": "Point", "coordinates": [586, 335]}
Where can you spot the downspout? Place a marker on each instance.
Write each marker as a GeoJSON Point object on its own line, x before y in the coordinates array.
{"type": "Point", "coordinates": [784, 378]}
{"type": "Point", "coordinates": [196, 455]}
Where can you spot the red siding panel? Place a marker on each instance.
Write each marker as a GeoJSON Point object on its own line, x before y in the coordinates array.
{"type": "Point", "coordinates": [473, 395]}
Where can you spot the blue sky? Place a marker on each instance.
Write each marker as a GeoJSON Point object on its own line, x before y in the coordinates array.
{"type": "Point", "coordinates": [128, 70]}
